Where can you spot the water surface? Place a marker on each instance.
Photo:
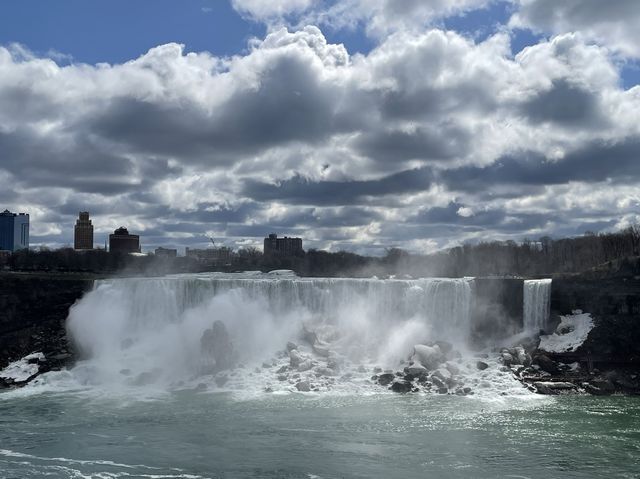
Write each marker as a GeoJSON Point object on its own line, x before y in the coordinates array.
{"type": "Point", "coordinates": [189, 434]}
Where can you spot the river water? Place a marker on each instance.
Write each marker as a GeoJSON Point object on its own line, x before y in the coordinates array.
{"type": "Point", "coordinates": [201, 435]}
{"type": "Point", "coordinates": [146, 401]}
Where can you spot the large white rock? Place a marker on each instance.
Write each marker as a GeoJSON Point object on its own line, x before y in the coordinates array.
{"type": "Point", "coordinates": [429, 356]}
{"type": "Point", "coordinates": [444, 374]}
{"type": "Point", "coordinates": [570, 333]}
{"type": "Point", "coordinates": [305, 365]}
{"type": "Point", "coordinates": [22, 369]}
{"type": "Point", "coordinates": [295, 358]}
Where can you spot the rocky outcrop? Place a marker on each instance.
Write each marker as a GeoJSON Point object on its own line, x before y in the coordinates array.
{"type": "Point", "coordinates": [611, 294]}
{"type": "Point", "coordinates": [33, 310]}
{"type": "Point", "coordinates": [607, 361]}
{"type": "Point", "coordinates": [431, 368]}
{"type": "Point", "coordinates": [216, 347]}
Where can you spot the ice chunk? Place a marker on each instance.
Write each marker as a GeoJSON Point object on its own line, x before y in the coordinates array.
{"type": "Point", "coordinates": [576, 328]}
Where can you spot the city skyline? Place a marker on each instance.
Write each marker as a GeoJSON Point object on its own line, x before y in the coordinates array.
{"type": "Point", "coordinates": [357, 125]}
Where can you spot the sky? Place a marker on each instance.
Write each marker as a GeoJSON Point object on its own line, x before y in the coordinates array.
{"type": "Point", "coordinates": [358, 125]}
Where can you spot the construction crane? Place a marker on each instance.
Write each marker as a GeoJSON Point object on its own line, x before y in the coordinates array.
{"type": "Point", "coordinates": [212, 242]}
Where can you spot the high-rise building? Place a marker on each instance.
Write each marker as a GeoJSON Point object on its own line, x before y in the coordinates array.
{"type": "Point", "coordinates": [14, 231]}
{"type": "Point", "coordinates": [282, 246]}
{"type": "Point", "coordinates": [122, 242]}
{"type": "Point", "coordinates": [83, 234]}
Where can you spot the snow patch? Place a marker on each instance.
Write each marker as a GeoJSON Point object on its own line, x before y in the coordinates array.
{"type": "Point", "coordinates": [22, 369]}
{"type": "Point", "coordinates": [570, 333]}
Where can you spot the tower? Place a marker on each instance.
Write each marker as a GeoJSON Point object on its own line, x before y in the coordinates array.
{"type": "Point", "coordinates": [83, 234]}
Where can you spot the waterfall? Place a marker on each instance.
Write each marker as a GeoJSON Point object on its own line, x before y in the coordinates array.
{"type": "Point", "coordinates": [127, 326]}
{"type": "Point", "coordinates": [537, 302]}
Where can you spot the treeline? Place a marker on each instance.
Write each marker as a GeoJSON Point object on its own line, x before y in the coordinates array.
{"type": "Point", "coordinates": [68, 260]}
{"type": "Point", "coordinates": [530, 258]}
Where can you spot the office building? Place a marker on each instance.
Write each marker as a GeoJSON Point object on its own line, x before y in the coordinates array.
{"type": "Point", "coordinates": [166, 252]}
{"type": "Point", "coordinates": [14, 231]}
{"type": "Point", "coordinates": [282, 246]}
{"type": "Point", "coordinates": [210, 255]}
{"type": "Point", "coordinates": [122, 242]}
{"type": "Point", "coordinates": [83, 233]}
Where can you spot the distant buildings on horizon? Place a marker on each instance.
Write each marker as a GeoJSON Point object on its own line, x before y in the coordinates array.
{"type": "Point", "coordinates": [83, 232]}
{"type": "Point", "coordinates": [14, 231]}
{"type": "Point", "coordinates": [166, 252]}
{"type": "Point", "coordinates": [274, 246]}
{"type": "Point", "coordinates": [14, 236]}
{"type": "Point", "coordinates": [123, 242]}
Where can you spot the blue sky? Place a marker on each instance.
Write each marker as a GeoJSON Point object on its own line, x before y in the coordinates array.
{"type": "Point", "coordinates": [115, 31]}
{"type": "Point", "coordinates": [374, 127]}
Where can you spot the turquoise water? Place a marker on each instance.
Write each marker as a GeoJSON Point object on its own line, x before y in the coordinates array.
{"type": "Point", "coordinates": [189, 434]}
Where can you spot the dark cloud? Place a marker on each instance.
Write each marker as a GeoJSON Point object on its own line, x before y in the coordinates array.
{"type": "Point", "coordinates": [300, 190]}
{"type": "Point", "coordinates": [345, 216]}
{"type": "Point", "coordinates": [290, 104]}
{"type": "Point", "coordinates": [597, 162]}
{"type": "Point", "coordinates": [20, 103]}
{"type": "Point", "coordinates": [454, 214]}
{"type": "Point", "coordinates": [442, 142]}
{"type": "Point", "coordinates": [39, 160]}
{"type": "Point", "coordinates": [432, 103]}
{"type": "Point", "coordinates": [214, 213]}
{"type": "Point", "coordinates": [564, 103]}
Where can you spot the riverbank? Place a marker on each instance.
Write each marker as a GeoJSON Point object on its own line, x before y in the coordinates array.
{"type": "Point", "coordinates": [34, 309]}
{"type": "Point", "coordinates": [607, 359]}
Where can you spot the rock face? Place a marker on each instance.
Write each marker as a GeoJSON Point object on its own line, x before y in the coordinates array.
{"type": "Point", "coordinates": [611, 294]}
{"type": "Point", "coordinates": [498, 310]}
{"type": "Point", "coordinates": [33, 311]}
{"type": "Point", "coordinates": [550, 387]}
{"type": "Point", "coordinates": [608, 360]}
{"type": "Point", "coordinates": [303, 386]}
{"type": "Point", "coordinates": [401, 386]}
{"type": "Point", "coordinates": [546, 363]}
{"type": "Point", "coordinates": [385, 379]}
{"type": "Point", "coordinates": [216, 344]}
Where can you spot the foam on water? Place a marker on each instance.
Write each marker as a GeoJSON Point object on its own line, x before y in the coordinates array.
{"type": "Point", "coordinates": [75, 468]}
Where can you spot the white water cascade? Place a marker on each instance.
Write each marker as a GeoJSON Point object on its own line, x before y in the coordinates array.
{"type": "Point", "coordinates": [537, 302]}
{"type": "Point", "coordinates": [153, 326]}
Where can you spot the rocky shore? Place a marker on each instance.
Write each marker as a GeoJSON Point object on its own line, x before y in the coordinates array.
{"type": "Point", "coordinates": [34, 308]}
{"type": "Point", "coordinates": [607, 361]}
